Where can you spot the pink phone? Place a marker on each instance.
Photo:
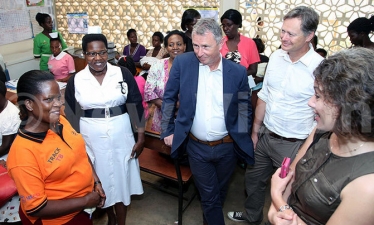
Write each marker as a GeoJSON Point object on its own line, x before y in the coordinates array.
{"type": "Point", "coordinates": [285, 167]}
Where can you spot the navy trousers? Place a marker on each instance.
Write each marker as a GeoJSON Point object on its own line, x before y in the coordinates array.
{"type": "Point", "coordinates": [212, 168]}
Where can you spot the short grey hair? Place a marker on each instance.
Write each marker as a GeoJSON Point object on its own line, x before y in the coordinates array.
{"type": "Point", "coordinates": [308, 16]}
{"type": "Point", "coordinates": [206, 25]}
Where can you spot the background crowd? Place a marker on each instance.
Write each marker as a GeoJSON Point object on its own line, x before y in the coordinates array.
{"type": "Point", "coordinates": [210, 93]}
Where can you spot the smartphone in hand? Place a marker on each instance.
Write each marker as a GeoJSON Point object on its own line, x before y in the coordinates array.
{"type": "Point", "coordinates": [285, 167]}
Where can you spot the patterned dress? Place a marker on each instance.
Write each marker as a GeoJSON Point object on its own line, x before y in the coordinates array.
{"type": "Point", "coordinates": [154, 88]}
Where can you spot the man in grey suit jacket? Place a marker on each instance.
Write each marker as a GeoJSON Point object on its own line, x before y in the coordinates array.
{"type": "Point", "coordinates": [214, 116]}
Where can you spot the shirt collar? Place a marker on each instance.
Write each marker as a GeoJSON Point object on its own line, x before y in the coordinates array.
{"type": "Point", "coordinates": [305, 59]}
{"type": "Point", "coordinates": [59, 56]}
{"type": "Point", "coordinates": [219, 68]}
{"type": "Point", "coordinates": [111, 70]}
{"type": "Point", "coordinates": [309, 56]}
{"type": "Point", "coordinates": [37, 137]}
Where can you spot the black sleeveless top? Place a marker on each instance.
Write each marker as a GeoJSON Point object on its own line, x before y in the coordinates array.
{"type": "Point", "coordinates": [320, 178]}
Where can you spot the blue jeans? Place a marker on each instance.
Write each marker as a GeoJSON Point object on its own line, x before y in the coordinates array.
{"type": "Point", "coordinates": [212, 168]}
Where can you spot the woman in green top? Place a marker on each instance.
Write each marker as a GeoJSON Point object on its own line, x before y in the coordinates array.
{"type": "Point", "coordinates": [42, 49]}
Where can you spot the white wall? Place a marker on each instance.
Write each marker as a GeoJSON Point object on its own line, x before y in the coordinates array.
{"type": "Point", "coordinates": [228, 4]}
{"type": "Point", "coordinates": [18, 58]}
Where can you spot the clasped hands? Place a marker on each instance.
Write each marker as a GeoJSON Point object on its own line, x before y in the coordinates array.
{"type": "Point", "coordinates": [278, 186]}
{"type": "Point", "coordinates": [96, 198]}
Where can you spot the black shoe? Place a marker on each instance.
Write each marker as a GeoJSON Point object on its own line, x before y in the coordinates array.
{"type": "Point", "coordinates": [236, 216]}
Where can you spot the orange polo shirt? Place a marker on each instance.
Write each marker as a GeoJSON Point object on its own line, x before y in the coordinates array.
{"type": "Point", "coordinates": [48, 166]}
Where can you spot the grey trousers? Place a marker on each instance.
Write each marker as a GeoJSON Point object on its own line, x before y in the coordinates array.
{"type": "Point", "coordinates": [269, 154]}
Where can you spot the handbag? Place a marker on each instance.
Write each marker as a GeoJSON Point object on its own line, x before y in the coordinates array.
{"type": "Point", "coordinates": [7, 186]}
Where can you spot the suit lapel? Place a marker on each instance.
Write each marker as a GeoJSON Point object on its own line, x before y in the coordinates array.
{"type": "Point", "coordinates": [227, 85]}
{"type": "Point", "coordinates": [193, 74]}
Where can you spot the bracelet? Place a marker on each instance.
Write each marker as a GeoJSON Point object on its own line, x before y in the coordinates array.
{"type": "Point", "coordinates": [284, 207]}
{"type": "Point", "coordinates": [97, 182]}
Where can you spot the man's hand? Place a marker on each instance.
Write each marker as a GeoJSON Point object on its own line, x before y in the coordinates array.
{"type": "Point", "coordinates": [169, 140]}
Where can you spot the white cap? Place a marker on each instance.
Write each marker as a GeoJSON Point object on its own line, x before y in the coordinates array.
{"type": "Point", "coordinates": [53, 35]}
{"type": "Point", "coordinates": [94, 30]}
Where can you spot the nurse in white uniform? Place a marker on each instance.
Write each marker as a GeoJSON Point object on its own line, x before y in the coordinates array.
{"type": "Point", "coordinates": [98, 100]}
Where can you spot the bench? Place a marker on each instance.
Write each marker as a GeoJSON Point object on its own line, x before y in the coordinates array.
{"type": "Point", "coordinates": [155, 160]}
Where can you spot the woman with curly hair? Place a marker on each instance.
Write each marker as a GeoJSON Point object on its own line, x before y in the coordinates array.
{"type": "Point", "coordinates": [337, 160]}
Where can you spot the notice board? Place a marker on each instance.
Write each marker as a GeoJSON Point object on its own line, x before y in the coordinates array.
{"type": "Point", "coordinates": [17, 19]}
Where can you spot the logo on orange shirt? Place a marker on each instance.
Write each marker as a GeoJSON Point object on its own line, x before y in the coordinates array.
{"type": "Point", "coordinates": [29, 197]}
{"type": "Point", "coordinates": [55, 155]}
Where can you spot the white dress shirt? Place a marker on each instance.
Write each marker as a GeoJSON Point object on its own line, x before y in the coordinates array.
{"type": "Point", "coordinates": [209, 122]}
{"type": "Point", "coordinates": [287, 88]}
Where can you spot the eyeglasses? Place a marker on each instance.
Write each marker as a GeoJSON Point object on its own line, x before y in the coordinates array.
{"type": "Point", "coordinates": [94, 54]}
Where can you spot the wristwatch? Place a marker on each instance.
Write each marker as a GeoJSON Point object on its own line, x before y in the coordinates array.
{"type": "Point", "coordinates": [285, 207]}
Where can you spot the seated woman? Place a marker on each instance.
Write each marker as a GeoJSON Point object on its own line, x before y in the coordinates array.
{"type": "Point", "coordinates": [9, 124]}
{"type": "Point", "coordinates": [359, 30]}
{"type": "Point", "coordinates": [157, 52]}
{"type": "Point", "coordinates": [158, 75]}
{"type": "Point", "coordinates": [237, 46]}
{"type": "Point", "coordinates": [339, 164]}
{"type": "Point", "coordinates": [134, 49]}
{"type": "Point", "coordinates": [48, 160]}
{"type": "Point", "coordinates": [60, 64]}
{"type": "Point", "coordinates": [41, 48]}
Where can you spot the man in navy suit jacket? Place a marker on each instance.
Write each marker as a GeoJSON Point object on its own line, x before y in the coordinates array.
{"type": "Point", "coordinates": [214, 116]}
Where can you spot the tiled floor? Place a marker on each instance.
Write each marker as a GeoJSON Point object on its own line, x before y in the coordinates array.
{"type": "Point", "coordinates": [158, 208]}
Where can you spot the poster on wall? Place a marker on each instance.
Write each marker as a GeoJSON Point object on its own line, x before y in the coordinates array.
{"type": "Point", "coordinates": [12, 4]}
{"type": "Point", "coordinates": [14, 26]}
{"type": "Point", "coordinates": [77, 23]}
{"type": "Point", "coordinates": [31, 3]}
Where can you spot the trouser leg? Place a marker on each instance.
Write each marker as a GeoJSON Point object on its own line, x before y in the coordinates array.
{"type": "Point", "coordinates": [269, 154]}
{"type": "Point", "coordinates": [212, 168]}
{"type": "Point", "coordinates": [255, 178]}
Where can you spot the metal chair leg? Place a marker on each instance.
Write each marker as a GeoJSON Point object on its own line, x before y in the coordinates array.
{"type": "Point", "coordinates": [180, 192]}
